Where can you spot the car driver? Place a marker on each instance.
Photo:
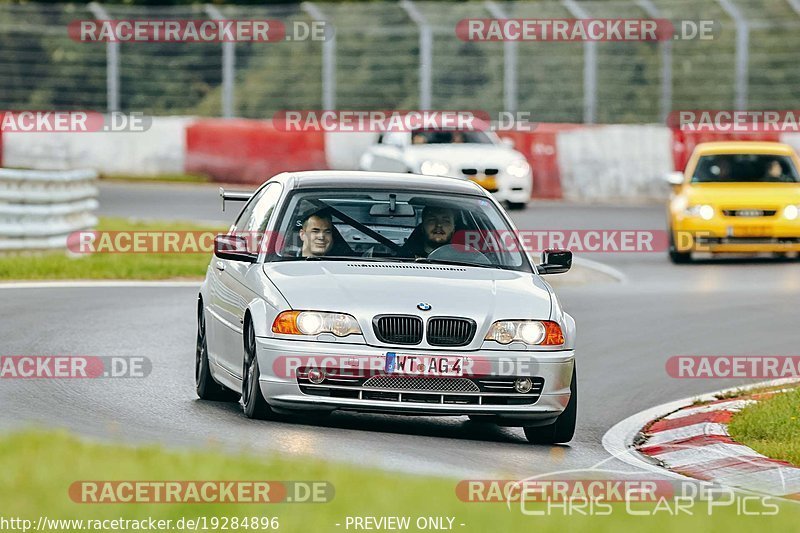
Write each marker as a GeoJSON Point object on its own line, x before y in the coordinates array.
{"type": "Point", "coordinates": [437, 228]}
{"type": "Point", "coordinates": [316, 235]}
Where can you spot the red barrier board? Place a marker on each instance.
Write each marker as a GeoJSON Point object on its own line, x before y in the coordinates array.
{"type": "Point", "coordinates": [250, 151]}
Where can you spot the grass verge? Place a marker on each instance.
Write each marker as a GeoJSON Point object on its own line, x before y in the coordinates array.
{"type": "Point", "coordinates": [60, 265]}
{"type": "Point", "coordinates": [771, 426]}
{"type": "Point", "coordinates": [37, 468]}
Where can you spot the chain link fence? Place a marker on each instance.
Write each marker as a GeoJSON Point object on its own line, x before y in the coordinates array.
{"type": "Point", "coordinates": [405, 55]}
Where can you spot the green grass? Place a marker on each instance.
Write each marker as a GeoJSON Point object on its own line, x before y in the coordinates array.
{"type": "Point", "coordinates": [37, 469]}
{"type": "Point", "coordinates": [60, 265]}
{"type": "Point", "coordinates": [167, 178]}
{"type": "Point", "coordinates": [771, 426]}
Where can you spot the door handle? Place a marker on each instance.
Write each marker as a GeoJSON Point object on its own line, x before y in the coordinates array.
{"type": "Point", "coordinates": [220, 266]}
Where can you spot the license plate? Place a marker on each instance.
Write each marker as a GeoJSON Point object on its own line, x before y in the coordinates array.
{"type": "Point", "coordinates": [424, 365]}
{"type": "Point", "coordinates": [487, 182]}
{"type": "Point", "coordinates": [750, 231]}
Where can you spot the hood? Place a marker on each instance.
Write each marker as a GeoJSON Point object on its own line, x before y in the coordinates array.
{"type": "Point", "coordinates": [366, 289]}
{"type": "Point", "coordinates": [462, 155]}
{"type": "Point", "coordinates": [744, 195]}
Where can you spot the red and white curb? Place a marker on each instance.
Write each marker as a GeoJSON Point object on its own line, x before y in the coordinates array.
{"type": "Point", "coordinates": [686, 440]}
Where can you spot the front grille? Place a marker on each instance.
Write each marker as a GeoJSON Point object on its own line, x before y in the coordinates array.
{"type": "Point", "coordinates": [448, 331]}
{"type": "Point", "coordinates": [484, 390]}
{"type": "Point", "coordinates": [475, 171]}
{"type": "Point", "coordinates": [749, 212]}
{"type": "Point", "coordinates": [398, 329]}
{"type": "Point", "coordinates": [422, 383]}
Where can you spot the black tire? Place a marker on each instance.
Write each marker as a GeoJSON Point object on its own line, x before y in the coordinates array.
{"type": "Point", "coordinates": [205, 384]}
{"type": "Point", "coordinates": [678, 258]}
{"type": "Point", "coordinates": [253, 402]}
{"type": "Point", "coordinates": [563, 429]}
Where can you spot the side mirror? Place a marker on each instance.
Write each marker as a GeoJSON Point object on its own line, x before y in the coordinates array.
{"type": "Point", "coordinates": [674, 178]}
{"type": "Point", "coordinates": [555, 262]}
{"type": "Point", "coordinates": [508, 141]}
{"type": "Point", "coordinates": [233, 247]}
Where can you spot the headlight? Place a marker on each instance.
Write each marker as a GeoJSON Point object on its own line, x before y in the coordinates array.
{"type": "Point", "coordinates": [538, 332]}
{"type": "Point", "coordinates": [791, 212]}
{"type": "Point", "coordinates": [434, 168]}
{"type": "Point", "coordinates": [518, 169]}
{"type": "Point", "coordinates": [314, 323]}
{"type": "Point", "coordinates": [706, 212]}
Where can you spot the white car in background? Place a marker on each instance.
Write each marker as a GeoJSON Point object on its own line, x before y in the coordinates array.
{"type": "Point", "coordinates": [479, 156]}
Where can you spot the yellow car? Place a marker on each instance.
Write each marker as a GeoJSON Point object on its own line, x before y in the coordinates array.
{"type": "Point", "coordinates": [735, 197]}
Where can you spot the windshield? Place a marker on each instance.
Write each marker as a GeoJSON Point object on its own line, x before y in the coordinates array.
{"type": "Point", "coordinates": [449, 137]}
{"type": "Point", "coordinates": [381, 225]}
{"type": "Point", "coordinates": [739, 168]}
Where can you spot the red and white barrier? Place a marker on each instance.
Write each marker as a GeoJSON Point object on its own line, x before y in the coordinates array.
{"type": "Point", "coordinates": [694, 442]}
{"type": "Point", "coordinates": [570, 161]}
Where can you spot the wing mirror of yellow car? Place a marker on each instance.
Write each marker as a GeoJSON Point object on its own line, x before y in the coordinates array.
{"type": "Point", "coordinates": [674, 178]}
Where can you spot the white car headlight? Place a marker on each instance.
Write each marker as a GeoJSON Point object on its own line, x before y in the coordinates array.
{"type": "Point", "coordinates": [791, 212]}
{"type": "Point", "coordinates": [518, 169]}
{"type": "Point", "coordinates": [704, 211]}
{"type": "Point", "coordinates": [434, 168]}
{"type": "Point", "coordinates": [314, 323]}
{"type": "Point", "coordinates": [537, 332]}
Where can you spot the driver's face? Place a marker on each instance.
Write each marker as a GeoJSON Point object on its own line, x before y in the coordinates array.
{"type": "Point", "coordinates": [439, 226]}
{"type": "Point", "coordinates": [317, 237]}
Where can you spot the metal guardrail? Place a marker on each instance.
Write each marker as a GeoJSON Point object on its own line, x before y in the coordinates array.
{"type": "Point", "coordinates": [406, 55]}
{"type": "Point", "coordinates": [39, 209]}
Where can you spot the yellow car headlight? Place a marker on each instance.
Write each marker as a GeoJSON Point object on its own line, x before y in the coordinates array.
{"type": "Point", "coordinates": [704, 211]}
{"type": "Point", "coordinates": [791, 212]}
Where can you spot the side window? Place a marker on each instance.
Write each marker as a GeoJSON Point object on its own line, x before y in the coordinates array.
{"type": "Point", "coordinates": [264, 208]}
{"type": "Point", "coordinates": [247, 212]}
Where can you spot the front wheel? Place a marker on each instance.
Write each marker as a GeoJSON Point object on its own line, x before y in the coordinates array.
{"type": "Point", "coordinates": [255, 406]}
{"type": "Point", "coordinates": [678, 258]}
{"type": "Point", "coordinates": [563, 429]}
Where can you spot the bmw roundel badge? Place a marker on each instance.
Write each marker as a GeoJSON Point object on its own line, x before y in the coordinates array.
{"type": "Point", "coordinates": [424, 307]}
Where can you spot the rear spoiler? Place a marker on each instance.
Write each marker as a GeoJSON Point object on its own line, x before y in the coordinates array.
{"type": "Point", "coordinates": [233, 196]}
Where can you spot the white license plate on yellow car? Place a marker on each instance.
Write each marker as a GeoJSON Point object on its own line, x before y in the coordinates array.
{"type": "Point", "coordinates": [750, 231]}
{"type": "Point", "coordinates": [424, 365]}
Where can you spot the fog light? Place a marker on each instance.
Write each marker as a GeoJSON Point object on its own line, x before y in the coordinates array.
{"type": "Point", "coordinates": [523, 385]}
{"type": "Point", "coordinates": [316, 376]}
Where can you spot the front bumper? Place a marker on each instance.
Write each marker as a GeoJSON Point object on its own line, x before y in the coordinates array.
{"type": "Point", "coordinates": [278, 360]}
{"type": "Point", "coordinates": [729, 235]}
{"type": "Point", "coordinates": [514, 190]}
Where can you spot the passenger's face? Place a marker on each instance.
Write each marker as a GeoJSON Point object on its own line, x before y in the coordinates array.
{"type": "Point", "coordinates": [317, 237]}
{"type": "Point", "coordinates": [775, 170]}
{"type": "Point", "coordinates": [439, 227]}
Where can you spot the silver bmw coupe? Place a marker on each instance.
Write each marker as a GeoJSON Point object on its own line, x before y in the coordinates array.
{"type": "Point", "coordinates": [392, 293]}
